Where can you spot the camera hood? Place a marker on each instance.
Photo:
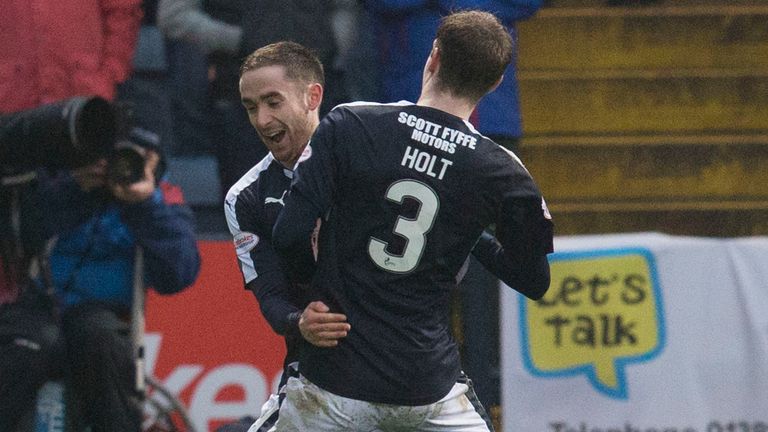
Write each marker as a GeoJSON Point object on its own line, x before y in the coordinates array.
{"type": "Point", "coordinates": [65, 134]}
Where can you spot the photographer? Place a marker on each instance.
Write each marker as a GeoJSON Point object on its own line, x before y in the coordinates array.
{"type": "Point", "coordinates": [95, 216]}
{"type": "Point", "coordinates": [64, 134]}
{"type": "Point", "coordinates": [100, 216]}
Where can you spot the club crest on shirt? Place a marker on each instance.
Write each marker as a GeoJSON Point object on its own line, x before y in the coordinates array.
{"type": "Point", "coordinates": [245, 241]}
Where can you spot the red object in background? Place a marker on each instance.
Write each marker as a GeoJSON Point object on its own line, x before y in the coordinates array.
{"type": "Point", "coordinates": [215, 349]}
{"type": "Point", "coordinates": [8, 289]}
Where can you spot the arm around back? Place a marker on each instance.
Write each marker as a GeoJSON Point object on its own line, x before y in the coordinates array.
{"type": "Point", "coordinates": [280, 313]}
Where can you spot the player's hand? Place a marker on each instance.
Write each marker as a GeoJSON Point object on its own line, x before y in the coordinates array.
{"type": "Point", "coordinates": [322, 328]}
{"type": "Point", "coordinates": [91, 176]}
{"type": "Point", "coordinates": [142, 189]}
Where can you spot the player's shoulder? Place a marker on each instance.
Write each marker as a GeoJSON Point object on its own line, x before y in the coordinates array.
{"type": "Point", "coordinates": [249, 181]}
{"type": "Point", "coordinates": [364, 109]}
{"type": "Point", "coordinates": [489, 145]}
{"type": "Point", "coordinates": [495, 153]}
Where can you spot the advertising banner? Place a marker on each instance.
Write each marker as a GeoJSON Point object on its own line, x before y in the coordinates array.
{"type": "Point", "coordinates": [209, 344]}
{"type": "Point", "coordinates": [641, 333]}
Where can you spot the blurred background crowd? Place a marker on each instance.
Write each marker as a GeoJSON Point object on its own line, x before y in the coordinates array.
{"type": "Point", "coordinates": [640, 114]}
{"type": "Point", "coordinates": [171, 66]}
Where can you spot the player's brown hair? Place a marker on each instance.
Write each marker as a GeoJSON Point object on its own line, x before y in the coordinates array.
{"type": "Point", "coordinates": [475, 49]}
{"type": "Point", "coordinates": [300, 63]}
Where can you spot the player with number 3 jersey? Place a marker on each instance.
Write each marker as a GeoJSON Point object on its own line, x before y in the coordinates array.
{"type": "Point", "coordinates": [405, 190]}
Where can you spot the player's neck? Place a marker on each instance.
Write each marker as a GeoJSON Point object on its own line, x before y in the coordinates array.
{"type": "Point", "coordinates": [445, 102]}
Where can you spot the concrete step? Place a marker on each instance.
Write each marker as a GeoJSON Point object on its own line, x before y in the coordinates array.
{"type": "Point", "coordinates": [650, 117]}
{"type": "Point", "coordinates": [644, 102]}
{"type": "Point", "coordinates": [699, 185]}
{"type": "Point", "coordinates": [669, 37]}
{"type": "Point", "coordinates": [646, 4]}
{"type": "Point", "coordinates": [665, 173]}
{"type": "Point", "coordinates": [690, 222]}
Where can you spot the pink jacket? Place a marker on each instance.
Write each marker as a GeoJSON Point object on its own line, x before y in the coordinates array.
{"type": "Point", "coordinates": [56, 49]}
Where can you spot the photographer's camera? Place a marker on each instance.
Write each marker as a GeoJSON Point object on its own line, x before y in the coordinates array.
{"type": "Point", "coordinates": [70, 134]}
{"type": "Point", "coordinates": [64, 134]}
{"type": "Point", "coordinates": [126, 162]}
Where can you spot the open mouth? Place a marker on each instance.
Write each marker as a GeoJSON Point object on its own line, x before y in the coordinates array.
{"type": "Point", "coordinates": [275, 137]}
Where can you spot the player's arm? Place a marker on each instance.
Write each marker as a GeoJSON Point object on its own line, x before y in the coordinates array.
{"type": "Point", "coordinates": [524, 230]}
{"type": "Point", "coordinates": [282, 315]}
{"type": "Point", "coordinates": [270, 285]}
{"type": "Point", "coordinates": [265, 278]}
{"type": "Point", "coordinates": [260, 267]}
{"type": "Point", "coordinates": [530, 277]}
{"type": "Point", "coordinates": [310, 197]}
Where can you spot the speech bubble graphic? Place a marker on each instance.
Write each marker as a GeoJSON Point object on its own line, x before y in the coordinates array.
{"type": "Point", "coordinates": [602, 312]}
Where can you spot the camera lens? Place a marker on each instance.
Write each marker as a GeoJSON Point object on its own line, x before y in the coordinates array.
{"type": "Point", "coordinates": [125, 166]}
{"type": "Point", "coordinates": [65, 134]}
{"type": "Point", "coordinates": [94, 126]}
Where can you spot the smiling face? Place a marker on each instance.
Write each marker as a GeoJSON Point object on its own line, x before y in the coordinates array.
{"type": "Point", "coordinates": [283, 111]}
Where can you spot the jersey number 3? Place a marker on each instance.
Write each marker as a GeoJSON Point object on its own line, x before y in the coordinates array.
{"type": "Point", "coordinates": [414, 230]}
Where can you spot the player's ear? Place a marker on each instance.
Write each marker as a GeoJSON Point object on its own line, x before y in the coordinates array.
{"type": "Point", "coordinates": [434, 58]}
{"type": "Point", "coordinates": [314, 96]}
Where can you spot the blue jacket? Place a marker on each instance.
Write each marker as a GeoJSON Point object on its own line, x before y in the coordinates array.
{"type": "Point", "coordinates": [406, 29]}
{"type": "Point", "coordinates": [93, 258]}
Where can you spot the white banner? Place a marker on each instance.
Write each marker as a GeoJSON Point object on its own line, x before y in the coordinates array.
{"type": "Point", "coordinates": [641, 333]}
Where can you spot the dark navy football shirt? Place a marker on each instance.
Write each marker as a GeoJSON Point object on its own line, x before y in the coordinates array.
{"type": "Point", "coordinates": [251, 208]}
{"type": "Point", "coordinates": [404, 192]}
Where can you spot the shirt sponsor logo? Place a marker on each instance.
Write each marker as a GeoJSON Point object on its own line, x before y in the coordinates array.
{"type": "Point", "coordinates": [245, 241]}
